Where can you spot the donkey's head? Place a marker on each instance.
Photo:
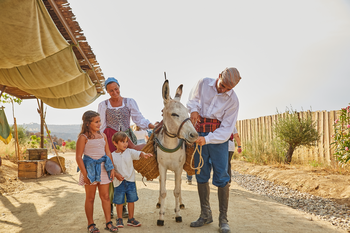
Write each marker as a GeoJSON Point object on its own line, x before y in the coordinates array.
{"type": "Point", "coordinates": [175, 116]}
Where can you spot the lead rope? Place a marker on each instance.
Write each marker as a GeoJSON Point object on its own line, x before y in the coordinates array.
{"type": "Point", "coordinates": [201, 161]}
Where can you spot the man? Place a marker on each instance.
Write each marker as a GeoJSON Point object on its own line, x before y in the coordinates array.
{"type": "Point", "coordinates": [63, 146]}
{"type": "Point", "coordinates": [214, 108]}
{"type": "Point", "coordinates": [231, 148]}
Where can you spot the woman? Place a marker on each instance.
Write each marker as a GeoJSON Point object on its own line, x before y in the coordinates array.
{"type": "Point", "coordinates": [115, 116]}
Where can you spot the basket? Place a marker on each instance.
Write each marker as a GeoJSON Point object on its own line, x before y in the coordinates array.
{"type": "Point", "coordinates": [187, 166]}
{"type": "Point", "coordinates": [149, 167]}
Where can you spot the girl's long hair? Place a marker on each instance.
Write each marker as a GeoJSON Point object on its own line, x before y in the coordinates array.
{"type": "Point", "coordinates": [88, 116]}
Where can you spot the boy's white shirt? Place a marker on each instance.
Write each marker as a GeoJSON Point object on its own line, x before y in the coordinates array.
{"type": "Point", "coordinates": [123, 165]}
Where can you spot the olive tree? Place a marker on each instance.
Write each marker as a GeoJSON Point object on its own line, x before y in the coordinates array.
{"type": "Point", "coordinates": [295, 131]}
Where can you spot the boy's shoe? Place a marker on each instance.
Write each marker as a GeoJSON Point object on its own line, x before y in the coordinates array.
{"type": "Point", "coordinates": [125, 213]}
{"type": "Point", "coordinates": [133, 222]}
{"type": "Point", "coordinates": [120, 223]}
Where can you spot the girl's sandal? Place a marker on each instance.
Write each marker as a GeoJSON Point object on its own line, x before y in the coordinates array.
{"type": "Point", "coordinates": [112, 228]}
{"type": "Point", "coordinates": [94, 229]}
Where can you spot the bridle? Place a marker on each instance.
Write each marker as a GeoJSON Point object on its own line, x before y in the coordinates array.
{"type": "Point", "coordinates": [157, 142]}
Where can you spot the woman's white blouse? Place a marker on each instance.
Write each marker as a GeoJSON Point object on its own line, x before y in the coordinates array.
{"type": "Point", "coordinates": [135, 113]}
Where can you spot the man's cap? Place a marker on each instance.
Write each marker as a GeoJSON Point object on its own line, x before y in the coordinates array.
{"type": "Point", "coordinates": [231, 77]}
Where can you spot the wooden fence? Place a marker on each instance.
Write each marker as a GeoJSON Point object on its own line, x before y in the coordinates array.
{"type": "Point", "coordinates": [262, 127]}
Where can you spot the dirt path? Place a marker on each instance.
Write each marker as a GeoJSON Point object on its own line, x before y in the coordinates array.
{"type": "Point", "coordinates": [56, 204]}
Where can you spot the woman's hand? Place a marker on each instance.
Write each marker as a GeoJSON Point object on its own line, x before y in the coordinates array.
{"type": "Point", "coordinates": [119, 176]}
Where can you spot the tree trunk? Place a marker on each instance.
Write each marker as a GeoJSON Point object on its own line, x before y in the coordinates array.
{"type": "Point", "coordinates": [289, 154]}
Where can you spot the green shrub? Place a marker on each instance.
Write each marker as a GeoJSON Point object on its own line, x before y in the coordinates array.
{"type": "Point", "coordinates": [71, 145]}
{"type": "Point", "coordinates": [342, 136]}
{"type": "Point", "coordinates": [295, 132]}
{"type": "Point", "coordinates": [23, 137]}
{"type": "Point", "coordinates": [262, 150]}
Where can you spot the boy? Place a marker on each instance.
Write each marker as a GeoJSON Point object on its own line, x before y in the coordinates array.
{"type": "Point", "coordinates": [124, 183]}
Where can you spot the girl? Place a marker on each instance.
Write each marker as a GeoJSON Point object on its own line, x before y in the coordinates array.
{"type": "Point", "coordinates": [96, 168]}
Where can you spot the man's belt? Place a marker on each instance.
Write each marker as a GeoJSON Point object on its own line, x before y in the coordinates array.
{"type": "Point", "coordinates": [207, 125]}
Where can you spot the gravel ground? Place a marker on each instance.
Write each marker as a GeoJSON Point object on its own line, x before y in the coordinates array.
{"type": "Point", "coordinates": [321, 208]}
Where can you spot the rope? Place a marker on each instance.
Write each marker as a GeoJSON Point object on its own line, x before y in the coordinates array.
{"type": "Point", "coordinates": [201, 161]}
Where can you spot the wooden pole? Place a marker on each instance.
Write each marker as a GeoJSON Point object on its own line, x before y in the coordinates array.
{"type": "Point", "coordinates": [41, 124]}
{"type": "Point", "coordinates": [16, 135]}
{"type": "Point", "coordinates": [48, 133]}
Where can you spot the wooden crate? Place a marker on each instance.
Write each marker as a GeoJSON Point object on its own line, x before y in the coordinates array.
{"type": "Point", "coordinates": [37, 153]}
{"type": "Point", "coordinates": [31, 168]}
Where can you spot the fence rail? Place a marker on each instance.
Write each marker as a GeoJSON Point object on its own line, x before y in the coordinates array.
{"type": "Point", "coordinates": [262, 127]}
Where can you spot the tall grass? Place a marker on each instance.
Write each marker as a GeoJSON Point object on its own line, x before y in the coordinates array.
{"type": "Point", "coordinates": [263, 150]}
{"type": "Point", "coordinates": [8, 151]}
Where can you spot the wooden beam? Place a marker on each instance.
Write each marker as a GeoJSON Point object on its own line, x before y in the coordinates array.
{"type": "Point", "coordinates": [74, 39]}
{"type": "Point", "coordinates": [2, 90]}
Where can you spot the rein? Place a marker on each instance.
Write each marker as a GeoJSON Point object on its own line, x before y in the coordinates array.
{"type": "Point", "coordinates": [163, 148]}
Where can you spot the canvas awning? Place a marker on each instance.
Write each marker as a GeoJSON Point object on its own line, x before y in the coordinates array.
{"type": "Point", "coordinates": [40, 56]}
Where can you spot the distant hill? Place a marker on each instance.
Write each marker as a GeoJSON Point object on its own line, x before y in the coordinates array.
{"type": "Point", "coordinates": [61, 131]}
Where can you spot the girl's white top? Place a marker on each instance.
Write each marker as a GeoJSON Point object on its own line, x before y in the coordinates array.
{"type": "Point", "coordinates": [135, 113]}
{"type": "Point", "coordinates": [123, 164]}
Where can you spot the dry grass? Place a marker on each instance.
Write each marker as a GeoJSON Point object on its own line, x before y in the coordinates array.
{"type": "Point", "coordinates": [263, 151]}
{"type": "Point", "coordinates": [9, 152]}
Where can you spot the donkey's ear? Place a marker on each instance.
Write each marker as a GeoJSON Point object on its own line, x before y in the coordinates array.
{"type": "Point", "coordinates": [165, 92]}
{"type": "Point", "coordinates": [178, 93]}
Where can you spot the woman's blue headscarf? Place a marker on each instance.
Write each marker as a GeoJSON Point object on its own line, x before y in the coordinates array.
{"type": "Point", "coordinates": [111, 80]}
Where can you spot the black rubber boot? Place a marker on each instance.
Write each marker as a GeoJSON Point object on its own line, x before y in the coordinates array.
{"type": "Point", "coordinates": [223, 195]}
{"type": "Point", "coordinates": [205, 217]}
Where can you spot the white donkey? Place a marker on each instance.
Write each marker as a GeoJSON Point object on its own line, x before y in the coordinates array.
{"type": "Point", "coordinates": [177, 128]}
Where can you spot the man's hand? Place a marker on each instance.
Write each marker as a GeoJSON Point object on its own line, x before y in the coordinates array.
{"type": "Point", "coordinates": [200, 141]}
{"type": "Point", "coordinates": [239, 149]}
{"type": "Point", "coordinates": [195, 118]}
{"type": "Point", "coordinates": [119, 176]}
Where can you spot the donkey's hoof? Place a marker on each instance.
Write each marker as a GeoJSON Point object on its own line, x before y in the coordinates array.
{"type": "Point", "coordinates": [178, 219]}
{"type": "Point", "coordinates": [160, 222]}
{"type": "Point", "coordinates": [182, 206]}
{"type": "Point", "coordinates": [158, 205]}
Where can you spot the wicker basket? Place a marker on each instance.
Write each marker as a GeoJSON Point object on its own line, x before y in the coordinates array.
{"type": "Point", "coordinates": [149, 167]}
{"type": "Point", "coordinates": [187, 167]}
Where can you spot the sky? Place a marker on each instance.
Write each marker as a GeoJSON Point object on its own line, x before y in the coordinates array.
{"type": "Point", "coordinates": [289, 53]}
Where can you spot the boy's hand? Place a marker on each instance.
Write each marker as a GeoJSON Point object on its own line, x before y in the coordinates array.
{"type": "Point", "coordinates": [119, 176]}
{"type": "Point", "coordinates": [146, 155]}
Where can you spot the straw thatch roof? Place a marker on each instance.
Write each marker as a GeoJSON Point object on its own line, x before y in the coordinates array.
{"type": "Point", "coordinates": [65, 21]}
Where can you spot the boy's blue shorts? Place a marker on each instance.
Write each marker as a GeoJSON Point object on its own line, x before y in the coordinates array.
{"type": "Point", "coordinates": [125, 188]}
